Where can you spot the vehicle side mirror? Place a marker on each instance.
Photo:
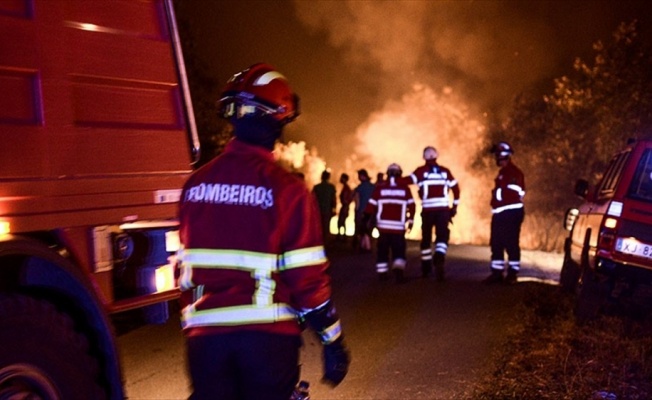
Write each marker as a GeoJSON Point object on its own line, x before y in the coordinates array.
{"type": "Point", "coordinates": [582, 188]}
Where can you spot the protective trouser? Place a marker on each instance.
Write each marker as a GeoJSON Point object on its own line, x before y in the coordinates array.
{"type": "Point", "coordinates": [505, 234]}
{"type": "Point", "coordinates": [394, 242]}
{"type": "Point", "coordinates": [438, 220]}
{"type": "Point", "coordinates": [243, 365]}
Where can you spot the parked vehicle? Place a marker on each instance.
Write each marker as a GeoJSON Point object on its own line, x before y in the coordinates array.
{"type": "Point", "coordinates": [97, 138]}
{"type": "Point", "coordinates": [608, 254]}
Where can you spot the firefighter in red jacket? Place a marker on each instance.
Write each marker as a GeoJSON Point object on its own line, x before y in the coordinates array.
{"type": "Point", "coordinates": [252, 261]}
{"type": "Point", "coordinates": [393, 206]}
{"type": "Point", "coordinates": [435, 184]}
{"type": "Point", "coordinates": [507, 216]}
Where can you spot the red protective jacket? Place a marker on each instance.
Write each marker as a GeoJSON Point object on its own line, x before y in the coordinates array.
{"type": "Point", "coordinates": [252, 255]}
{"type": "Point", "coordinates": [393, 205]}
{"type": "Point", "coordinates": [509, 190]}
{"type": "Point", "coordinates": [434, 182]}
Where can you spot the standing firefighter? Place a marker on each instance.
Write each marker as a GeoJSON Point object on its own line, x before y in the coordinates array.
{"type": "Point", "coordinates": [435, 182]}
{"type": "Point", "coordinates": [393, 206]}
{"type": "Point", "coordinates": [252, 258]}
{"type": "Point", "coordinates": [507, 216]}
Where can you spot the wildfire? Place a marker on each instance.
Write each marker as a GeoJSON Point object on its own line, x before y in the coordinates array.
{"type": "Point", "coordinates": [398, 133]}
{"type": "Point", "coordinates": [297, 158]}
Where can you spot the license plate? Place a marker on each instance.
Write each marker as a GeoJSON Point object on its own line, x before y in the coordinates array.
{"type": "Point", "coordinates": [634, 247]}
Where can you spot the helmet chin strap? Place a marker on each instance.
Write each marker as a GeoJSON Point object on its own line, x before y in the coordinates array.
{"type": "Point", "coordinates": [257, 131]}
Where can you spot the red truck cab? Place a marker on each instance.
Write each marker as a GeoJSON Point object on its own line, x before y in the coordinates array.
{"type": "Point", "coordinates": [97, 138]}
{"type": "Point", "coordinates": [609, 250]}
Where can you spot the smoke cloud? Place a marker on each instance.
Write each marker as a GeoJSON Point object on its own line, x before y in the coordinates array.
{"type": "Point", "coordinates": [438, 67]}
{"type": "Point", "coordinates": [487, 50]}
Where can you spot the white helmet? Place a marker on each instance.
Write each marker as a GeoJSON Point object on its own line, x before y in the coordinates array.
{"type": "Point", "coordinates": [502, 150]}
{"type": "Point", "coordinates": [430, 153]}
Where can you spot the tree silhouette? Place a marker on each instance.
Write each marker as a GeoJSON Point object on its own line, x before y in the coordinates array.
{"type": "Point", "coordinates": [572, 132]}
{"type": "Point", "coordinates": [214, 132]}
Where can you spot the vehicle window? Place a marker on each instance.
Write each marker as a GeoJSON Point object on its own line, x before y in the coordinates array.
{"type": "Point", "coordinates": [641, 186]}
{"type": "Point", "coordinates": [612, 176]}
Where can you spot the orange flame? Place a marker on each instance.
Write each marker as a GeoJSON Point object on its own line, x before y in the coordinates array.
{"type": "Point", "coordinates": [399, 132]}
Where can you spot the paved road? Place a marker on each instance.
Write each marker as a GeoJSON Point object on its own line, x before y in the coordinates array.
{"type": "Point", "coordinates": [421, 339]}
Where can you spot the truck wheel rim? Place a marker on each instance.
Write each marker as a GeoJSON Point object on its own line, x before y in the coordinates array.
{"type": "Point", "coordinates": [23, 381]}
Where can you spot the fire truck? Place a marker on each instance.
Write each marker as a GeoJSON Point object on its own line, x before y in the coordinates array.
{"type": "Point", "coordinates": [97, 137]}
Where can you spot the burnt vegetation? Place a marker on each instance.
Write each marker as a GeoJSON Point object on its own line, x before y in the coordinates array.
{"type": "Point", "coordinates": [549, 356]}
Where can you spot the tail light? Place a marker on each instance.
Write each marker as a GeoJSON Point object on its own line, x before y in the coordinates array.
{"type": "Point", "coordinates": [607, 235]}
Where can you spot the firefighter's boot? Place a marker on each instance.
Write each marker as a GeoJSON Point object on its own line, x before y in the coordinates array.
{"type": "Point", "coordinates": [426, 268]}
{"type": "Point", "coordinates": [511, 277]}
{"type": "Point", "coordinates": [495, 277]}
{"type": "Point", "coordinates": [438, 263]}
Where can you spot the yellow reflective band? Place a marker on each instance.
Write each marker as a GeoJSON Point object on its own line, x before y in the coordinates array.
{"type": "Point", "coordinates": [185, 278]}
{"type": "Point", "coordinates": [265, 287]}
{"type": "Point", "coordinates": [185, 272]}
{"type": "Point", "coordinates": [236, 315]}
{"type": "Point", "coordinates": [303, 257]}
{"type": "Point", "coordinates": [236, 259]}
{"type": "Point", "coordinates": [330, 334]}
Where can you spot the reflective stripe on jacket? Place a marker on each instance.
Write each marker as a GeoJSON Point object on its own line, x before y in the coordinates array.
{"type": "Point", "coordinates": [392, 204]}
{"type": "Point", "coordinates": [251, 251]}
{"type": "Point", "coordinates": [509, 189]}
{"type": "Point", "coordinates": [435, 182]}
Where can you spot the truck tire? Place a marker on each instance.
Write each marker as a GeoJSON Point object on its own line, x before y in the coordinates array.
{"type": "Point", "coordinates": [569, 274]}
{"type": "Point", "coordinates": [592, 294]}
{"type": "Point", "coordinates": [42, 356]}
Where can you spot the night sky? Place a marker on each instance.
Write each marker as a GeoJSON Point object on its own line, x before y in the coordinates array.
{"type": "Point", "coordinates": [354, 62]}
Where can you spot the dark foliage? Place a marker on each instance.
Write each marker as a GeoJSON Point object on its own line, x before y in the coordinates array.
{"type": "Point", "coordinates": [572, 132]}
{"type": "Point", "coordinates": [549, 356]}
{"type": "Point", "coordinates": [213, 131]}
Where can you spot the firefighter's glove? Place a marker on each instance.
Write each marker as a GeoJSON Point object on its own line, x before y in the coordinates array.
{"type": "Point", "coordinates": [410, 226]}
{"type": "Point", "coordinates": [336, 362]}
{"type": "Point", "coordinates": [453, 212]}
{"type": "Point", "coordinates": [326, 323]}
